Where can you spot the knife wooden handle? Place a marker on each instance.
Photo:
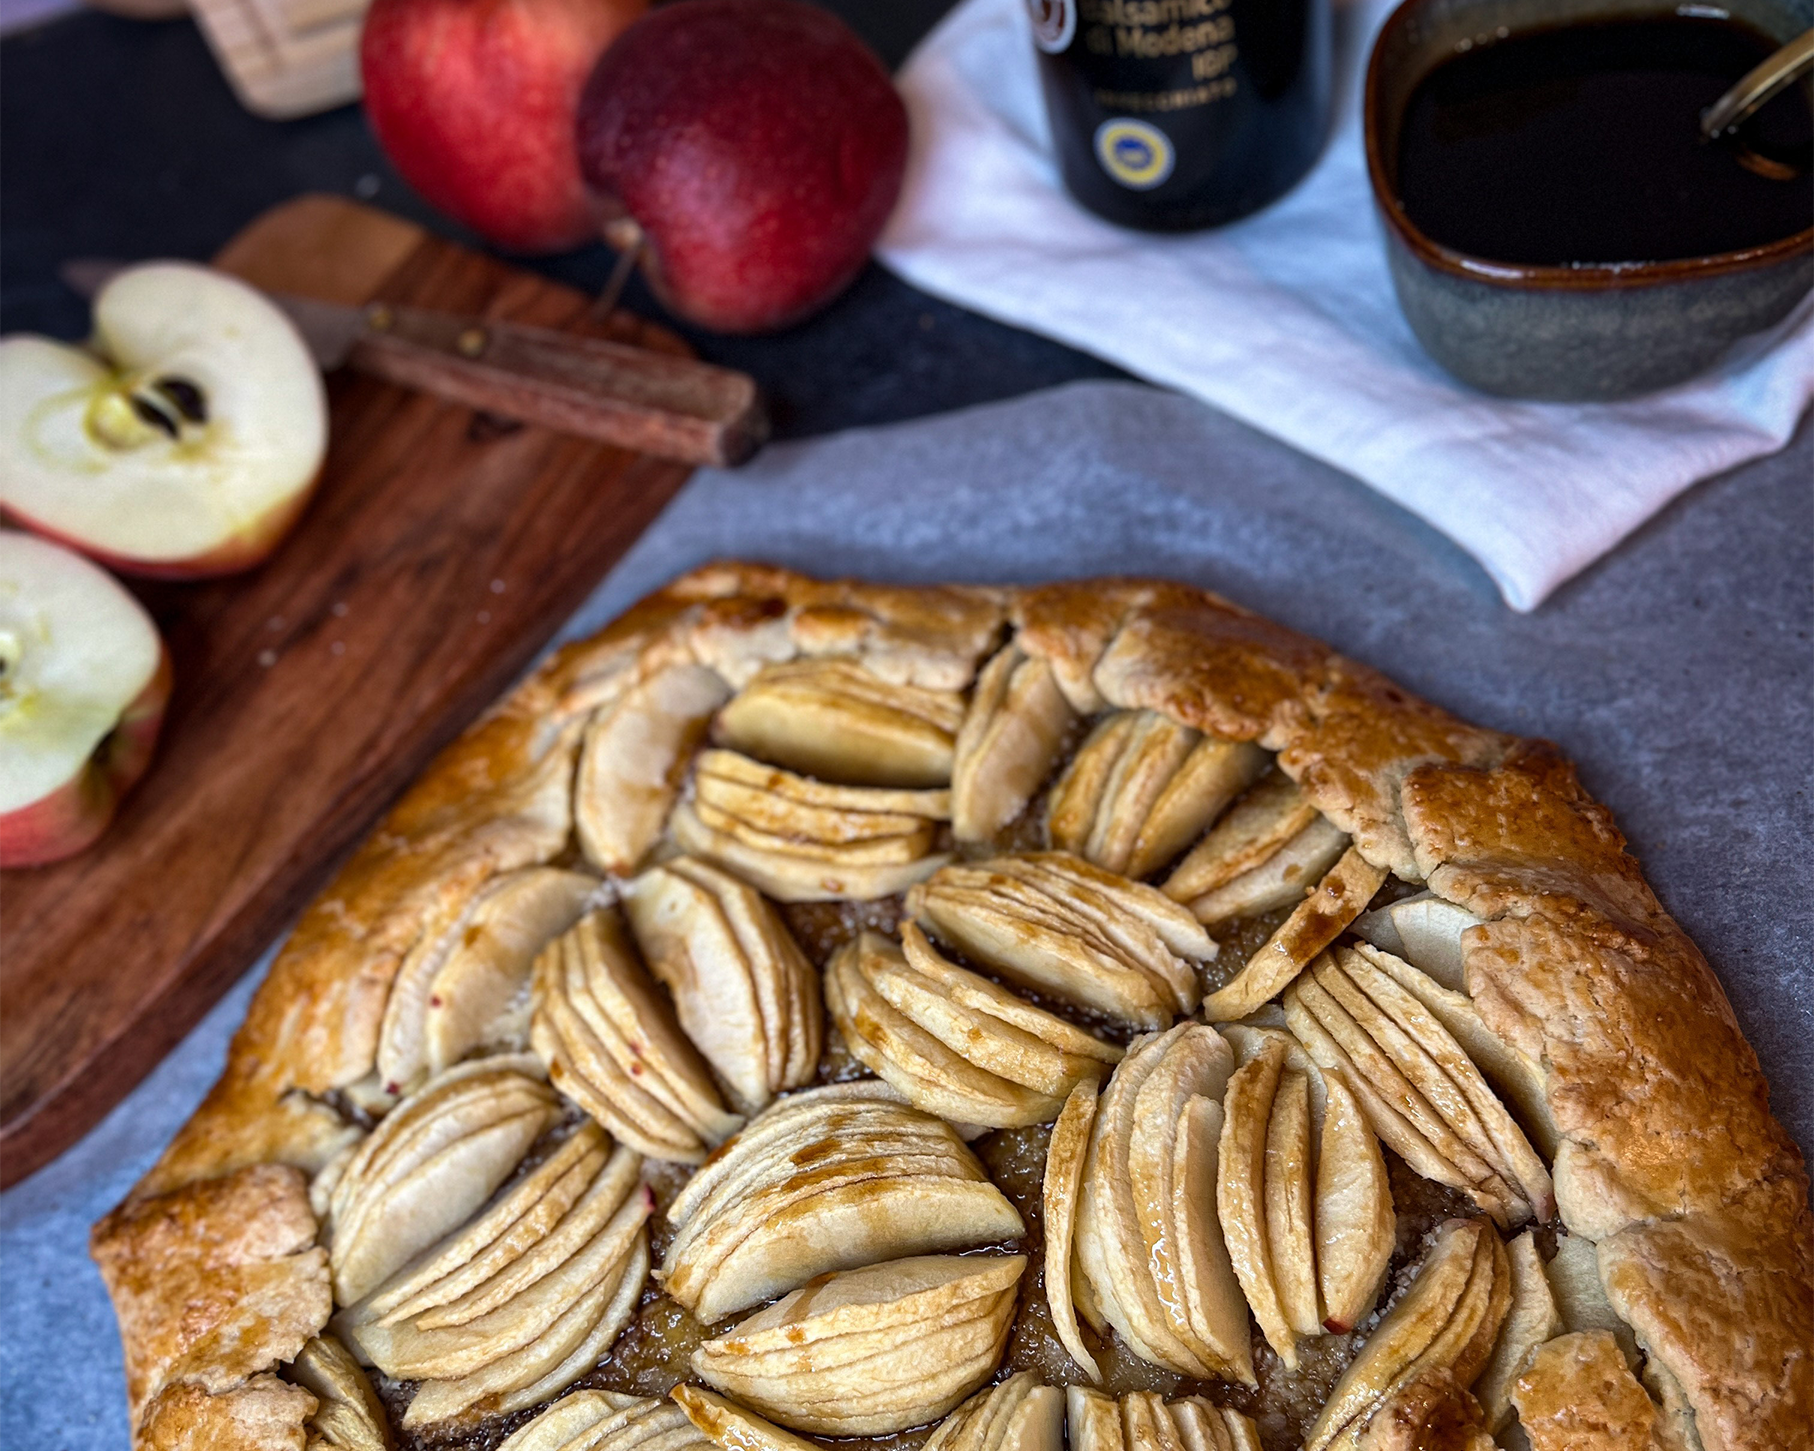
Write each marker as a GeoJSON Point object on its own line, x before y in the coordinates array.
{"type": "Point", "coordinates": [655, 403]}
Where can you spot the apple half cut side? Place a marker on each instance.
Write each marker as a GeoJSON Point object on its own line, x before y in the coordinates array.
{"type": "Point", "coordinates": [84, 678]}
{"type": "Point", "coordinates": [184, 441]}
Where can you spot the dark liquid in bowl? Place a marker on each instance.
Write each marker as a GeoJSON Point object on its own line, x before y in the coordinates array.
{"type": "Point", "coordinates": [1582, 144]}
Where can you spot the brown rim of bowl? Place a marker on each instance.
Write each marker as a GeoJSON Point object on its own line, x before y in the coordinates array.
{"type": "Point", "coordinates": [1598, 275]}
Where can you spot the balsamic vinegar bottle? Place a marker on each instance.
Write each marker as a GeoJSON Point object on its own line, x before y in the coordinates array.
{"type": "Point", "coordinates": [1170, 115]}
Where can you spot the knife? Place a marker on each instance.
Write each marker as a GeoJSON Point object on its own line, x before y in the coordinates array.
{"type": "Point", "coordinates": [655, 403]}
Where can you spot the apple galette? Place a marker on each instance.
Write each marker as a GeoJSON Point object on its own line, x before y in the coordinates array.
{"type": "Point", "coordinates": [986, 1020]}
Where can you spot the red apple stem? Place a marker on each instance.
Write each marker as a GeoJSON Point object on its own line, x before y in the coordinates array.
{"type": "Point", "coordinates": [607, 300]}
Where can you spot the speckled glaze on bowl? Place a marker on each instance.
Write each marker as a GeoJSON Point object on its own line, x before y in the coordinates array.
{"type": "Point", "coordinates": [1578, 334]}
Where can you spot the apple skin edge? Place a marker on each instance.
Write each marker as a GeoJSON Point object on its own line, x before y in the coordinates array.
{"type": "Point", "coordinates": [73, 817]}
{"type": "Point", "coordinates": [760, 147]}
{"type": "Point", "coordinates": [474, 100]}
{"type": "Point", "coordinates": [243, 551]}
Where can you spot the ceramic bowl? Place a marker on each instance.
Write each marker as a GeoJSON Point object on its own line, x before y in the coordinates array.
{"type": "Point", "coordinates": [1565, 333]}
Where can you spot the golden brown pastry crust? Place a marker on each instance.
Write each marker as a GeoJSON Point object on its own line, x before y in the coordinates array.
{"type": "Point", "coordinates": [214, 1283]}
{"type": "Point", "coordinates": [264, 1414]}
{"type": "Point", "coordinates": [1577, 1394]}
{"type": "Point", "coordinates": [1670, 1159]}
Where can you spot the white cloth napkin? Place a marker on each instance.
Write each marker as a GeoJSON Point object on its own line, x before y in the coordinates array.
{"type": "Point", "coordinates": [1287, 320]}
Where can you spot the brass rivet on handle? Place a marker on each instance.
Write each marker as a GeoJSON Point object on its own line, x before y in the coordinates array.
{"type": "Point", "coordinates": [471, 342]}
{"type": "Point", "coordinates": [378, 317]}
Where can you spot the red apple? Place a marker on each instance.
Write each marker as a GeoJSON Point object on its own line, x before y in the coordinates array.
{"type": "Point", "coordinates": [759, 146]}
{"type": "Point", "coordinates": [474, 100]}
{"type": "Point", "coordinates": [84, 678]}
{"type": "Point", "coordinates": [183, 441]}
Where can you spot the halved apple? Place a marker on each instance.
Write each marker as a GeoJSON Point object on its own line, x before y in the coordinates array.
{"type": "Point", "coordinates": [184, 441]}
{"type": "Point", "coordinates": [84, 678]}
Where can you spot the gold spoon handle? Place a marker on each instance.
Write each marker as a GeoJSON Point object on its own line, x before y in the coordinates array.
{"type": "Point", "coordinates": [1758, 84]}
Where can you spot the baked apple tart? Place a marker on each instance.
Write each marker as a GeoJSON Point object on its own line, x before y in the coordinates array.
{"type": "Point", "coordinates": [983, 1020]}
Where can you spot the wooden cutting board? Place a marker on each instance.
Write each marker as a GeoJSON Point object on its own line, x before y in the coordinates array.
{"type": "Point", "coordinates": [441, 550]}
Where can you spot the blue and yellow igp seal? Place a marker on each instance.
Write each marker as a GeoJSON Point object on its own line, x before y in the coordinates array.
{"type": "Point", "coordinates": [1135, 154]}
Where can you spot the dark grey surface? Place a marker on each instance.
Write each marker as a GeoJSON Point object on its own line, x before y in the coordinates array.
{"type": "Point", "coordinates": [1679, 673]}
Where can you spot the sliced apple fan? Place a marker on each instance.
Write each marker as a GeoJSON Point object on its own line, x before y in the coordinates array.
{"type": "Point", "coordinates": [1143, 1421]}
{"type": "Point", "coordinates": [633, 759]}
{"type": "Point", "coordinates": [742, 989]}
{"type": "Point", "coordinates": [465, 984]}
{"type": "Point", "coordinates": [802, 840]}
{"type": "Point", "coordinates": [607, 1421]}
{"type": "Point", "coordinates": [1446, 1321]}
{"type": "Point", "coordinates": [830, 1179]}
{"type": "Point", "coordinates": [348, 1414]}
{"type": "Point", "coordinates": [872, 1351]}
{"type": "Point", "coordinates": [952, 1042]}
{"type": "Point", "coordinates": [1053, 922]}
{"type": "Point", "coordinates": [1366, 1013]}
{"type": "Point", "coordinates": [506, 1306]}
{"type": "Point", "coordinates": [612, 1045]}
{"type": "Point", "coordinates": [835, 720]}
{"type": "Point", "coordinates": [1012, 736]}
{"type": "Point", "coordinates": [1142, 788]}
{"type": "Point", "coordinates": [1020, 1414]}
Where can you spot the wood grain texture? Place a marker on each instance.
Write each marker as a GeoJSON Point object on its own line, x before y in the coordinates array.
{"type": "Point", "coordinates": [439, 553]}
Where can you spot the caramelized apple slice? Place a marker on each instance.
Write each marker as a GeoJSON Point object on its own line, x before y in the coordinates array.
{"type": "Point", "coordinates": [1417, 1033]}
{"type": "Point", "coordinates": [1194, 1067]}
{"type": "Point", "coordinates": [1531, 1320]}
{"type": "Point", "coordinates": [1010, 740]}
{"type": "Point", "coordinates": [977, 995]}
{"type": "Point", "coordinates": [1213, 774]}
{"type": "Point", "coordinates": [1077, 796]}
{"type": "Point", "coordinates": [1094, 1420]}
{"type": "Point", "coordinates": [422, 1172]}
{"type": "Point", "coordinates": [1283, 880]}
{"type": "Point", "coordinates": [1289, 1196]}
{"type": "Point", "coordinates": [1313, 924]}
{"type": "Point", "coordinates": [470, 1258]}
{"type": "Point", "coordinates": [1516, 1078]}
{"type": "Point", "coordinates": [1268, 815]}
{"type": "Point", "coordinates": [836, 720]}
{"type": "Point", "coordinates": [823, 1219]}
{"type": "Point", "coordinates": [1402, 1117]}
{"type": "Point", "coordinates": [523, 1306]}
{"type": "Point", "coordinates": [603, 1023]}
{"type": "Point", "coordinates": [1240, 1192]}
{"type": "Point", "coordinates": [550, 1362]}
{"type": "Point", "coordinates": [927, 1073]}
{"type": "Point", "coordinates": [632, 759]}
{"type": "Point", "coordinates": [598, 1421]}
{"type": "Point", "coordinates": [1056, 923]}
{"type": "Point", "coordinates": [1407, 1331]}
{"type": "Point", "coordinates": [725, 1423]}
{"type": "Point", "coordinates": [733, 969]}
{"type": "Point", "coordinates": [1065, 1156]}
{"type": "Point", "coordinates": [927, 1332]}
{"type": "Point", "coordinates": [1153, 756]}
{"type": "Point", "coordinates": [1212, 1295]}
{"type": "Point", "coordinates": [1019, 1414]}
{"type": "Point", "coordinates": [1117, 1217]}
{"type": "Point", "coordinates": [348, 1414]}
{"type": "Point", "coordinates": [1356, 1226]}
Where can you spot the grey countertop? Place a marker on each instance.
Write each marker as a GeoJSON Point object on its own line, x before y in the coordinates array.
{"type": "Point", "coordinates": [1678, 673]}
